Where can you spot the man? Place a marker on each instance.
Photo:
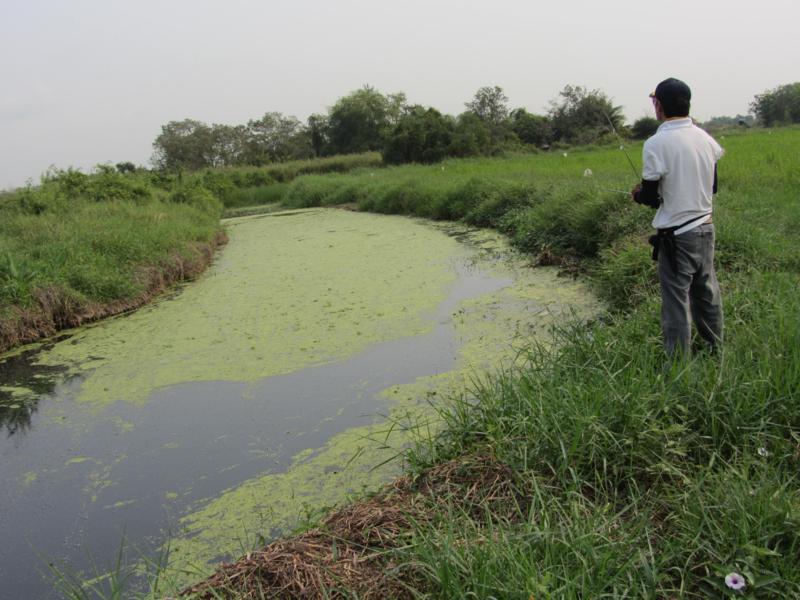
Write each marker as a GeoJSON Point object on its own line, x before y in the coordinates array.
{"type": "Point", "coordinates": [679, 177]}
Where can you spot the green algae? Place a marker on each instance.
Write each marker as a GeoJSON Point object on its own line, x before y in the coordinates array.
{"type": "Point", "coordinates": [306, 289]}
{"type": "Point", "coordinates": [491, 330]}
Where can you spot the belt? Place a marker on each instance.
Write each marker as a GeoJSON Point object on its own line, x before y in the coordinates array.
{"type": "Point", "coordinates": [664, 240]}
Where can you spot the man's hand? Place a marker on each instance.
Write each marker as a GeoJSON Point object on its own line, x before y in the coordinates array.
{"type": "Point", "coordinates": [635, 192]}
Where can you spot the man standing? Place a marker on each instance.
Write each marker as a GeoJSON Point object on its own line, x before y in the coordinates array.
{"type": "Point", "coordinates": [679, 177]}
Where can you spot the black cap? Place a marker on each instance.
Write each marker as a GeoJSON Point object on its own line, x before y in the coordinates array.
{"type": "Point", "coordinates": [671, 90]}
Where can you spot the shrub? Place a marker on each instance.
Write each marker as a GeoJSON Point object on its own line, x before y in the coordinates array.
{"type": "Point", "coordinates": [645, 127]}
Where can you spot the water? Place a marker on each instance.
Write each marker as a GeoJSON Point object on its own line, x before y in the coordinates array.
{"type": "Point", "coordinates": [80, 473]}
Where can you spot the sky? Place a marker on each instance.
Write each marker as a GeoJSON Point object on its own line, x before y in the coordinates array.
{"type": "Point", "coordinates": [85, 82]}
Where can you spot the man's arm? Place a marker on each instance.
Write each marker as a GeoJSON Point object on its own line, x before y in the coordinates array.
{"type": "Point", "coordinates": [714, 189]}
{"type": "Point", "coordinates": [647, 193]}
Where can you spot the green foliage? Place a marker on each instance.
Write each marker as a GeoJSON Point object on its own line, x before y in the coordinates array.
{"type": "Point", "coordinates": [644, 127]}
{"type": "Point", "coordinates": [490, 104]}
{"type": "Point", "coordinates": [199, 197]}
{"type": "Point", "coordinates": [531, 129]}
{"type": "Point", "coordinates": [359, 122]}
{"type": "Point", "coordinates": [85, 237]}
{"type": "Point", "coordinates": [583, 117]}
{"type": "Point", "coordinates": [421, 135]}
{"type": "Point", "coordinates": [275, 138]}
{"type": "Point", "coordinates": [471, 136]}
{"type": "Point", "coordinates": [779, 106]}
{"type": "Point", "coordinates": [186, 144]}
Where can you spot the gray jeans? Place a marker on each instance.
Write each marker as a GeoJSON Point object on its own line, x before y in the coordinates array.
{"type": "Point", "coordinates": [691, 293]}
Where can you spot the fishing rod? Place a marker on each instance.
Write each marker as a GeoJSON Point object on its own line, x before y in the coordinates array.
{"type": "Point", "coordinates": [622, 144]}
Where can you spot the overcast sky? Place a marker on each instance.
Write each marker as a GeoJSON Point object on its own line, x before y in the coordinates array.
{"type": "Point", "coordinates": [92, 81]}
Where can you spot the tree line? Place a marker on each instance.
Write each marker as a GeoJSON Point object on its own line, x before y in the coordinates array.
{"type": "Point", "coordinates": [368, 120]}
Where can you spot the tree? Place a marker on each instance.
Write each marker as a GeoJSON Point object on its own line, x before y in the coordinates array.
{"type": "Point", "coordinates": [360, 121]}
{"type": "Point", "coordinates": [317, 127]}
{"type": "Point", "coordinates": [420, 135]}
{"type": "Point", "coordinates": [531, 129]}
{"type": "Point", "coordinates": [490, 104]}
{"type": "Point", "coordinates": [276, 138]}
{"type": "Point", "coordinates": [471, 136]}
{"type": "Point", "coordinates": [583, 117]}
{"type": "Point", "coordinates": [125, 167]}
{"type": "Point", "coordinates": [779, 106]}
{"type": "Point", "coordinates": [186, 144]}
{"type": "Point", "coordinates": [228, 143]}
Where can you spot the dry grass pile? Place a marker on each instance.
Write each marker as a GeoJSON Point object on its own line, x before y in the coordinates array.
{"type": "Point", "coordinates": [354, 551]}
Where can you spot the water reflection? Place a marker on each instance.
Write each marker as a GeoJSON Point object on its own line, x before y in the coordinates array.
{"type": "Point", "coordinates": [22, 386]}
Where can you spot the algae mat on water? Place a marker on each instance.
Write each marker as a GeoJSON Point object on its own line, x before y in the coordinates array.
{"type": "Point", "coordinates": [290, 290]}
{"type": "Point", "coordinates": [489, 329]}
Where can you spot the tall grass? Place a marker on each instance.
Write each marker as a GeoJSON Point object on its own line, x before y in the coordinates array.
{"type": "Point", "coordinates": [646, 478]}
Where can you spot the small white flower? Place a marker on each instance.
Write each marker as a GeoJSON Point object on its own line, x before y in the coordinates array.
{"type": "Point", "coordinates": [588, 173]}
{"type": "Point", "coordinates": [735, 581]}
{"type": "Point", "coordinates": [564, 155]}
{"type": "Point", "coordinates": [763, 452]}
{"type": "Point", "coordinates": [621, 147]}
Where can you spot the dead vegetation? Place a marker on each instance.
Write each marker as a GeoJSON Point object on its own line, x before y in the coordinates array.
{"type": "Point", "coordinates": [57, 309]}
{"type": "Point", "coordinates": [354, 552]}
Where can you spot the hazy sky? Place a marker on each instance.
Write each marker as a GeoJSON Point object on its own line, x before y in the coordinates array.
{"type": "Point", "coordinates": [92, 81]}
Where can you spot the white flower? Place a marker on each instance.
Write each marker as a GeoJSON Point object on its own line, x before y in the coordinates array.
{"type": "Point", "coordinates": [588, 173]}
{"type": "Point", "coordinates": [735, 581]}
{"type": "Point", "coordinates": [763, 452]}
{"type": "Point", "coordinates": [564, 155]}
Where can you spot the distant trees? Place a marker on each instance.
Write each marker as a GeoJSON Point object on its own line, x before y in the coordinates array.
{"type": "Point", "coordinates": [724, 121]}
{"type": "Point", "coordinates": [644, 127]}
{"type": "Point", "coordinates": [779, 106]}
{"type": "Point", "coordinates": [360, 121]}
{"type": "Point", "coordinates": [367, 120]}
{"type": "Point", "coordinates": [276, 138]}
{"type": "Point", "coordinates": [583, 116]}
{"type": "Point", "coordinates": [535, 130]}
{"type": "Point", "coordinates": [420, 135]}
{"type": "Point", "coordinates": [191, 144]}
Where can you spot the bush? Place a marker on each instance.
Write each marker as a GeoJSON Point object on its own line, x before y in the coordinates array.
{"type": "Point", "coordinates": [422, 136]}
{"type": "Point", "coordinates": [779, 106]}
{"type": "Point", "coordinates": [199, 197]}
{"type": "Point", "coordinates": [645, 127]}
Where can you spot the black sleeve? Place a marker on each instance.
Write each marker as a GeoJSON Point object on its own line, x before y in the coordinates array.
{"type": "Point", "coordinates": [648, 195]}
{"type": "Point", "coordinates": [714, 189]}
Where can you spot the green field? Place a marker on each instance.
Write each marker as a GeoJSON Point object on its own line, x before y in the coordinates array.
{"type": "Point", "coordinates": [639, 478]}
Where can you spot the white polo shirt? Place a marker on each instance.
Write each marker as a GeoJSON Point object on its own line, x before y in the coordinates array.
{"type": "Point", "coordinates": [682, 157]}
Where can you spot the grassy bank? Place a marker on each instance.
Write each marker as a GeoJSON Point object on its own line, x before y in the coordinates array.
{"type": "Point", "coordinates": [630, 477]}
{"type": "Point", "coordinates": [80, 247]}
{"type": "Point", "coordinates": [238, 187]}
